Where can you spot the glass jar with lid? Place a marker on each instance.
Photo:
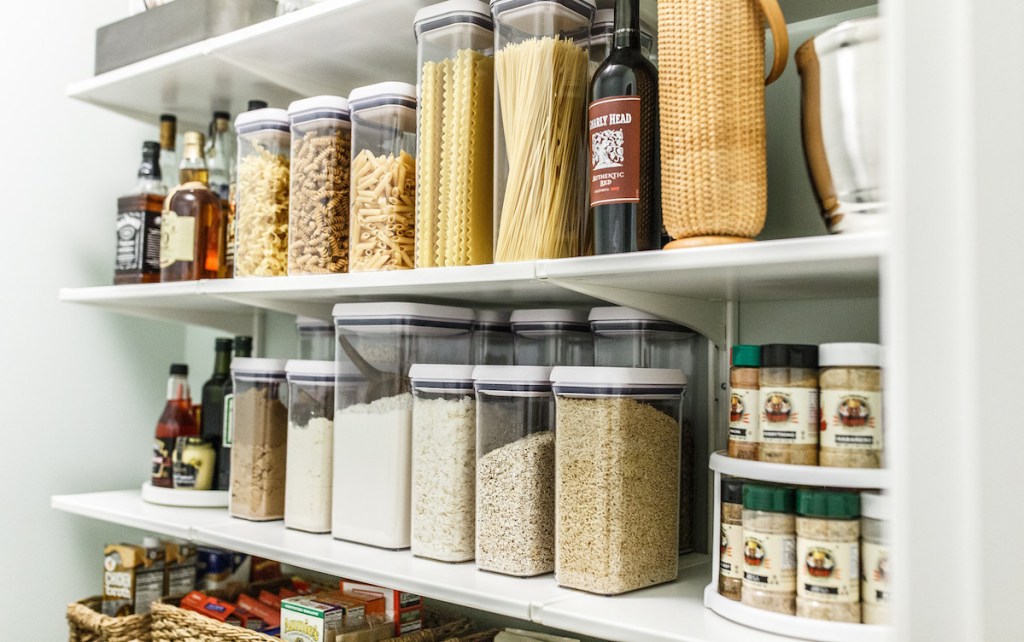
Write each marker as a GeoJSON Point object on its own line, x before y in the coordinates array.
{"type": "Point", "coordinates": [789, 404]}
{"type": "Point", "coordinates": [259, 448]}
{"type": "Point", "coordinates": [552, 337]}
{"type": "Point", "coordinates": [851, 405]}
{"type": "Point", "coordinates": [261, 213]}
{"type": "Point", "coordinates": [827, 551]}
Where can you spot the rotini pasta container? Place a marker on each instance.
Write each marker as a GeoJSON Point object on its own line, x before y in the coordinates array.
{"type": "Point", "coordinates": [455, 158]}
{"type": "Point", "coordinates": [552, 337]}
{"type": "Point", "coordinates": [602, 35]}
{"type": "Point", "coordinates": [542, 78]}
{"type": "Point", "coordinates": [382, 225]}
{"type": "Point", "coordinates": [316, 338]}
{"type": "Point", "coordinates": [617, 472]}
{"type": "Point", "coordinates": [320, 157]}
{"type": "Point", "coordinates": [261, 215]}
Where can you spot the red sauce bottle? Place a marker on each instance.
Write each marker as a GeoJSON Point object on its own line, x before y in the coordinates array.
{"type": "Point", "coordinates": [176, 421]}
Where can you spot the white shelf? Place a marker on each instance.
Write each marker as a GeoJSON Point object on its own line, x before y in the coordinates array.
{"type": "Point", "coordinates": [318, 50]}
{"type": "Point", "coordinates": [866, 478]}
{"type": "Point", "coordinates": [126, 507]}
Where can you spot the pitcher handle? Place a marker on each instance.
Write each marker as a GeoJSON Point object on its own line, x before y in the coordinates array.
{"type": "Point", "coordinates": [780, 38]}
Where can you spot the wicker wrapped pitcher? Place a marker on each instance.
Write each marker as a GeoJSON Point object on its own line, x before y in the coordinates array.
{"type": "Point", "coordinates": [713, 167]}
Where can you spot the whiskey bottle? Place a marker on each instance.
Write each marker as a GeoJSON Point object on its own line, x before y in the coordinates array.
{"type": "Point", "coordinates": [220, 153]}
{"type": "Point", "coordinates": [138, 223]}
{"type": "Point", "coordinates": [168, 150]}
{"type": "Point", "coordinates": [192, 236]}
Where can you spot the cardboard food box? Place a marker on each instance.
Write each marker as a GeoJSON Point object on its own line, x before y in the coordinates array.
{"type": "Point", "coordinates": [404, 609]}
{"type": "Point", "coordinates": [180, 568]}
{"type": "Point", "coordinates": [133, 578]}
{"type": "Point", "coordinates": [210, 607]}
{"type": "Point", "coordinates": [319, 617]}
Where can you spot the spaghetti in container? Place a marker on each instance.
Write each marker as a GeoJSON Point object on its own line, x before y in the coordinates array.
{"type": "Point", "coordinates": [382, 225]}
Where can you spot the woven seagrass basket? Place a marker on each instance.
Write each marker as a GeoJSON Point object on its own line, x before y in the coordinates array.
{"type": "Point", "coordinates": [87, 624]}
{"type": "Point", "coordinates": [711, 83]}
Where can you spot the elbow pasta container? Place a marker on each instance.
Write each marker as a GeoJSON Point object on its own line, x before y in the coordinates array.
{"type": "Point", "coordinates": [307, 500]}
{"type": "Point", "coordinates": [261, 215]}
{"type": "Point", "coordinates": [552, 337]}
{"type": "Point", "coordinates": [492, 338]}
{"type": "Point", "coordinates": [541, 158]}
{"type": "Point", "coordinates": [382, 224]}
{"type": "Point", "coordinates": [320, 157]}
{"type": "Point", "coordinates": [602, 36]}
{"type": "Point", "coordinates": [454, 203]}
{"type": "Point", "coordinates": [316, 338]}
{"type": "Point", "coordinates": [617, 472]}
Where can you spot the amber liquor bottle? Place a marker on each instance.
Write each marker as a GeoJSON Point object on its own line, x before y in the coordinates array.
{"type": "Point", "coordinates": [192, 232]}
{"type": "Point", "coordinates": [138, 223]}
{"type": "Point", "coordinates": [175, 421]}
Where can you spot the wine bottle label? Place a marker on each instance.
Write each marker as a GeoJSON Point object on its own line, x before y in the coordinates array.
{"type": "Point", "coordinates": [615, 150]}
{"type": "Point", "coordinates": [177, 238]}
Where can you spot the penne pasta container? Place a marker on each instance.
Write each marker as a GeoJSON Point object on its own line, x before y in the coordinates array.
{"type": "Point", "coordinates": [261, 215]}
{"type": "Point", "coordinates": [542, 78]}
{"type": "Point", "coordinates": [454, 215]}
{"type": "Point", "coordinates": [382, 224]}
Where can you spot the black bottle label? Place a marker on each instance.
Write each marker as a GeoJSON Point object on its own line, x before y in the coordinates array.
{"type": "Point", "coordinates": [138, 242]}
{"type": "Point", "coordinates": [615, 150]}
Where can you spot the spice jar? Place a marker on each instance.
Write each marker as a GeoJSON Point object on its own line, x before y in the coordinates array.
{"type": "Point", "coordinates": [316, 338]}
{"type": "Point", "coordinates": [259, 448]}
{"type": "Point", "coordinates": [373, 439]}
{"type": "Point", "coordinates": [616, 530]}
{"type": "Point", "coordinates": [443, 462]}
{"type": "Point", "coordinates": [455, 157]}
{"type": "Point", "coordinates": [492, 338]}
{"type": "Point", "coordinates": [769, 548]}
{"type": "Point", "coordinates": [851, 405]}
{"type": "Point", "coordinates": [515, 470]}
{"type": "Point", "coordinates": [307, 499]}
{"type": "Point", "coordinates": [875, 594]}
{"type": "Point", "coordinates": [552, 338]}
{"type": "Point", "coordinates": [542, 82]}
{"type": "Point", "coordinates": [827, 551]}
{"type": "Point", "coordinates": [789, 404]}
{"type": "Point", "coordinates": [261, 213]}
{"type": "Point", "coordinates": [318, 211]}
{"type": "Point", "coordinates": [730, 552]}
{"type": "Point", "coordinates": [382, 224]}
{"type": "Point", "coordinates": [744, 402]}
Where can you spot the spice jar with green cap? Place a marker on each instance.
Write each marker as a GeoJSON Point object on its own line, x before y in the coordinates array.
{"type": "Point", "coordinates": [744, 402]}
{"type": "Point", "coordinates": [769, 548]}
{"type": "Point", "coordinates": [828, 561]}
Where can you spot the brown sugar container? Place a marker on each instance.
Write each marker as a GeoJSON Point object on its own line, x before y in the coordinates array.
{"type": "Point", "coordinates": [851, 405]}
{"type": "Point", "coordinates": [789, 404]}
{"type": "Point", "coordinates": [744, 406]}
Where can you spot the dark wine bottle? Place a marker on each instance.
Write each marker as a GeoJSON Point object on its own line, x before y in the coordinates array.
{"type": "Point", "coordinates": [625, 190]}
{"type": "Point", "coordinates": [212, 425]}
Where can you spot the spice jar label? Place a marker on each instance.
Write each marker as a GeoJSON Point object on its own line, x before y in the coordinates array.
{"type": "Point", "coordinates": [789, 415]}
{"type": "Point", "coordinates": [875, 574]}
{"type": "Point", "coordinates": [851, 419]}
{"type": "Point", "coordinates": [825, 570]}
{"type": "Point", "coordinates": [730, 559]}
{"type": "Point", "coordinates": [745, 415]}
{"type": "Point", "coordinates": [769, 561]}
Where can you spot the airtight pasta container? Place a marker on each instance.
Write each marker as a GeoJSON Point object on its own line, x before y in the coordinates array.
{"type": "Point", "coordinates": [382, 224]}
{"type": "Point", "coordinates": [492, 338]}
{"type": "Point", "coordinates": [373, 436]}
{"type": "Point", "coordinates": [617, 472]}
{"type": "Point", "coordinates": [443, 462]}
{"type": "Point", "coordinates": [308, 477]}
{"type": "Point", "coordinates": [542, 79]}
{"type": "Point", "coordinates": [318, 209]}
{"type": "Point", "coordinates": [629, 338]}
{"type": "Point", "coordinates": [454, 202]}
{"type": "Point", "coordinates": [261, 213]}
{"type": "Point", "coordinates": [259, 450]}
{"type": "Point", "coordinates": [552, 337]}
{"type": "Point", "coordinates": [515, 470]}
{"type": "Point", "coordinates": [316, 338]}
{"type": "Point", "coordinates": [602, 37]}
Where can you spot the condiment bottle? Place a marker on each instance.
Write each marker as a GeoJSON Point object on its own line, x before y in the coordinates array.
{"type": "Point", "coordinates": [828, 569]}
{"type": "Point", "coordinates": [730, 558]}
{"type": "Point", "coordinates": [176, 421]}
{"type": "Point", "coordinates": [851, 405]}
{"type": "Point", "coordinates": [875, 593]}
{"type": "Point", "coordinates": [789, 404]}
{"type": "Point", "coordinates": [769, 548]}
{"type": "Point", "coordinates": [744, 402]}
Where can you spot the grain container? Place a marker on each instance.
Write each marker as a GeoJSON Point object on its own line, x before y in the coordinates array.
{"type": "Point", "coordinates": [875, 539]}
{"type": "Point", "coordinates": [259, 449]}
{"type": "Point", "coordinates": [492, 338]}
{"type": "Point", "coordinates": [552, 337]}
{"type": "Point", "coordinates": [851, 405]}
{"type": "Point", "coordinates": [307, 499]}
{"type": "Point", "coordinates": [261, 213]}
{"type": "Point", "coordinates": [316, 338]}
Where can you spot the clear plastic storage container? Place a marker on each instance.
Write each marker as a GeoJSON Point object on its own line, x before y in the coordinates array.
{"type": "Point", "coordinates": [851, 405]}
{"type": "Point", "coordinates": [515, 470]}
{"type": "Point", "coordinates": [628, 338]}
{"type": "Point", "coordinates": [454, 196]}
{"type": "Point", "coordinates": [382, 226]}
{"type": "Point", "coordinates": [307, 501]}
{"type": "Point", "coordinates": [318, 211]}
{"type": "Point", "coordinates": [443, 462]}
{"type": "Point", "coordinates": [617, 477]}
{"type": "Point", "coordinates": [373, 439]}
{"type": "Point", "coordinates": [492, 339]}
{"type": "Point", "coordinates": [552, 338]}
{"type": "Point", "coordinates": [261, 213]}
{"type": "Point", "coordinates": [541, 157]}
{"type": "Point", "coordinates": [316, 338]}
{"type": "Point", "coordinates": [602, 36]}
{"type": "Point", "coordinates": [259, 449]}
{"type": "Point", "coordinates": [875, 534]}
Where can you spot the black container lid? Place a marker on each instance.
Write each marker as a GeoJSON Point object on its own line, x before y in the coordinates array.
{"type": "Point", "coordinates": [789, 355]}
{"type": "Point", "coordinates": [732, 491]}
{"type": "Point", "coordinates": [179, 368]}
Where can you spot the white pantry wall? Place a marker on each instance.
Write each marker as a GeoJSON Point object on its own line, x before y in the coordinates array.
{"type": "Point", "coordinates": [81, 388]}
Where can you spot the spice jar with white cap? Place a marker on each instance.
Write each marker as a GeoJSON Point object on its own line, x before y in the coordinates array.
{"type": "Point", "coordinates": [851, 405]}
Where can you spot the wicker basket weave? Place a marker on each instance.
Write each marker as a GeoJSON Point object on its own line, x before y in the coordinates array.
{"type": "Point", "coordinates": [711, 84]}
{"type": "Point", "coordinates": [87, 624]}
